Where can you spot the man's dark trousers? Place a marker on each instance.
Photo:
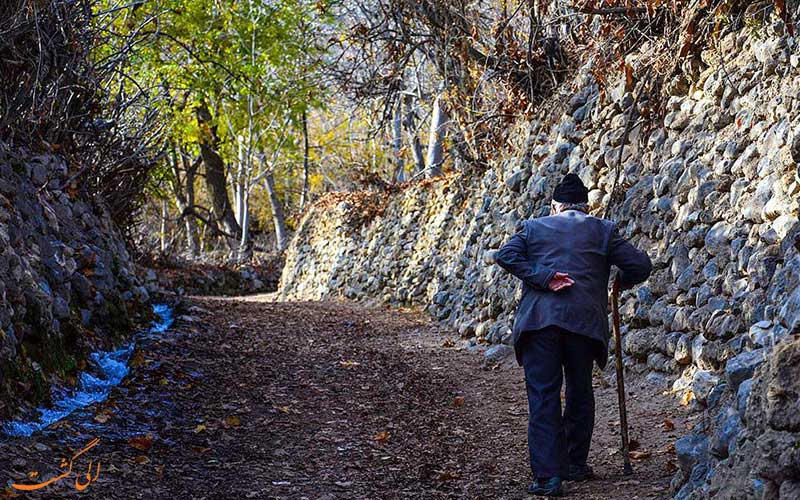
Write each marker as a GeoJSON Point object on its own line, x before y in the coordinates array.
{"type": "Point", "coordinates": [556, 441]}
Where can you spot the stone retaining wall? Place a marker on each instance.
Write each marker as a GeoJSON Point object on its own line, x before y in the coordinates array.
{"type": "Point", "coordinates": [67, 283]}
{"type": "Point", "coordinates": [711, 192]}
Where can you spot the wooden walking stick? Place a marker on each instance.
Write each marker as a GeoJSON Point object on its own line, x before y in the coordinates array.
{"type": "Point", "coordinates": [623, 411]}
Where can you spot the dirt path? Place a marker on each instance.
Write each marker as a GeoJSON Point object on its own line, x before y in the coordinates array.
{"type": "Point", "coordinates": [245, 398]}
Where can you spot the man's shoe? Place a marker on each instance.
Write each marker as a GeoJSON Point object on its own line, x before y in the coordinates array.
{"type": "Point", "coordinates": [580, 473]}
{"type": "Point", "coordinates": [550, 487]}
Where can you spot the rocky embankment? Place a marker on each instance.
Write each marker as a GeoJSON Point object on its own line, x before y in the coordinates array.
{"type": "Point", "coordinates": [710, 191]}
{"type": "Point", "coordinates": [173, 275]}
{"type": "Point", "coordinates": [67, 283]}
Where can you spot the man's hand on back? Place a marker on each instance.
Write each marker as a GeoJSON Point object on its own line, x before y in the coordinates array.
{"type": "Point", "coordinates": [560, 281]}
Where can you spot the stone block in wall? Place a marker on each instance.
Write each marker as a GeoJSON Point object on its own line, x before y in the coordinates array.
{"type": "Point", "coordinates": [742, 367]}
{"type": "Point", "coordinates": [712, 197]}
{"type": "Point", "coordinates": [703, 382]}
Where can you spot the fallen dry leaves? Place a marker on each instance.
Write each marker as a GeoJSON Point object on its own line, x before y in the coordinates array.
{"type": "Point", "coordinates": [8, 493]}
{"type": "Point", "coordinates": [141, 443]}
{"type": "Point", "coordinates": [317, 420]}
{"type": "Point", "coordinates": [448, 475]}
{"type": "Point", "coordinates": [381, 437]}
{"type": "Point", "coordinates": [232, 421]}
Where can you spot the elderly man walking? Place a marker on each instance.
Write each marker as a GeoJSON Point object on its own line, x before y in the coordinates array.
{"type": "Point", "coordinates": [561, 325]}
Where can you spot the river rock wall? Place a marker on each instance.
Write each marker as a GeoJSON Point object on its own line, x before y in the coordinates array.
{"type": "Point", "coordinates": [710, 191]}
{"type": "Point", "coordinates": [67, 283]}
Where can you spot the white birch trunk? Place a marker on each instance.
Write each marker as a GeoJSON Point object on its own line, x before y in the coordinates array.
{"type": "Point", "coordinates": [278, 217]}
{"type": "Point", "coordinates": [409, 122]}
{"type": "Point", "coordinates": [304, 194]}
{"type": "Point", "coordinates": [435, 149]}
{"type": "Point", "coordinates": [244, 246]}
{"type": "Point", "coordinates": [164, 214]}
{"type": "Point", "coordinates": [238, 191]}
{"type": "Point", "coordinates": [397, 142]}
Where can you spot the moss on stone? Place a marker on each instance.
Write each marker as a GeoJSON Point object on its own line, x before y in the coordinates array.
{"type": "Point", "coordinates": [118, 320]}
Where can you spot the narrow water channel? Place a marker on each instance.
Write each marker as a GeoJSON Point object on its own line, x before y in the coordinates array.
{"type": "Point", "coordinates": [105, 370]}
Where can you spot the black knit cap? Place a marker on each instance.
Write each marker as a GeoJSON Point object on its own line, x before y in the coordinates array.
{"type": "Point", "coordinates": [571, 190]}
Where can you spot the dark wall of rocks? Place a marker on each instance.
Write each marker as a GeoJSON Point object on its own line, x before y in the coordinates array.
{"type": "Point", "coordinates": [711, 192]}
{"type": "Point", "coordinates": [260, 275]}
{"type": "Point", "coordinates": [764, 458]}
{"type": "Point", "coordinates": [67, 283]}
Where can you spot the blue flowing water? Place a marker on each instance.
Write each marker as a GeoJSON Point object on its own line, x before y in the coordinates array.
{"type": "Point", "coordinates": [106, 370]}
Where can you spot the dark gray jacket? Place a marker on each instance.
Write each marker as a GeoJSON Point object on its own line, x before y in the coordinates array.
{"type": "Point", "coordinates": [582, 246]}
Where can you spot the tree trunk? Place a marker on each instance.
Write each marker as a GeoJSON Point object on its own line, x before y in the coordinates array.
{"type": "Point", "coordinates": [245, 248]}
{"type": "Point", "coordinates": [189, 218]}
{"type": "Point", "coordinates": [304, 194]}
{"type": "Point", "coordinates": [435, 149]}
{"type": "Point", "coordinates": [411, 130]}
{"type": "Point", "coordinates": [278, 217]}
{"type": "Point", "coordinates": [239, 183]}
{"type": "Point", "coordinates": [184, 196]}
{"type": "Point", "coordinates": [243, 200]}
{"type": "Point", "coordinates": [204, 238]}
{"type": "Point", "coordinates": [216, 181]}
{"type": "Point", "coordinates": [164, 215]}
{"type": "Point", "coordinates": [397, 142]}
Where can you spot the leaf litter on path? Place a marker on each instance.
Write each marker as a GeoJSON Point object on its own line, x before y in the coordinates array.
{"type": "Point", "coordinates": [367, 404]}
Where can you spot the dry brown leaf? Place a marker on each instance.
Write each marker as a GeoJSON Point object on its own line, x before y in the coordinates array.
{"type": "Point", "coordinates": [8, 493]}
{"type": "Point", "coordinates": [448, 475]}
{"type": "Point", "coordinates": [381, 437]}
{"type": "Point", "coordinates": [141, 459]}
{"type": "Point", "coordinates": [668, 425]}
{"type": "Point", "coordinates": [640, 455]}
{"type": "Point", "coordinates": [232, 421]}
{"type": "Point", "coordinates": [687, 398]}
{"type": "Point", "coordinates": [137, 359]}
{"type": "Point", "coordinates": [458, 401]}
{"type": "Point", "coordinates": [448, 343]}
{"type": "Point", "coordinates": [671, 467]}
{"type": "Point", "coordinates": [142, 443]}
